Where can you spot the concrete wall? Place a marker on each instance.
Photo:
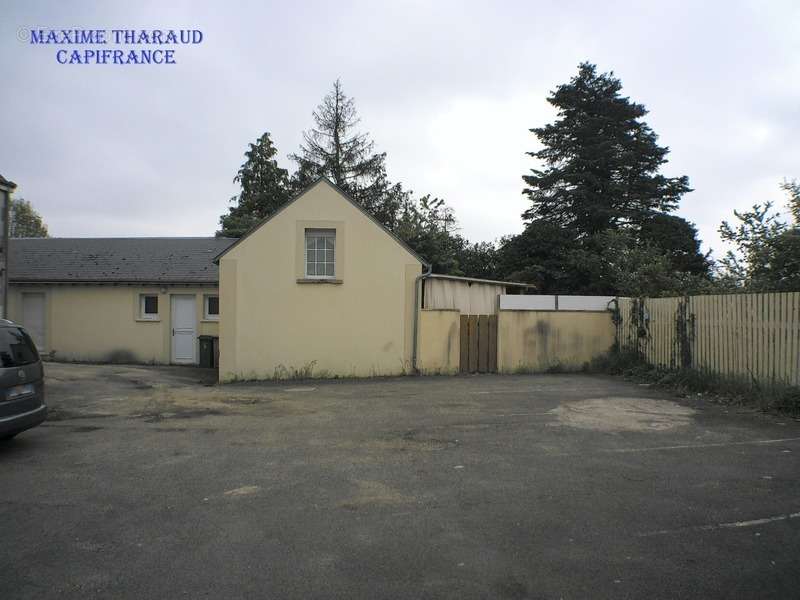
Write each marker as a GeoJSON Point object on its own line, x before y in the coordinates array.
{"type": "Point", "coordinates": [275, 324]}
{"type": "Point", "coordinates": [535, 341]}
{"type": "Point", "coordinates": [439, 338]}
{"type": "Point", "coordinates": [100, 323]}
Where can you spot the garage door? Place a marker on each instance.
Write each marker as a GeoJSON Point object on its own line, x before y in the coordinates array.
{"type": "Point", "coordinates": [33, 317]}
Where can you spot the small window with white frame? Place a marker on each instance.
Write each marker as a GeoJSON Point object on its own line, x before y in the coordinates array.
{"type": "Point", "coordinates": [211, 308]}
{"type": "Point", "coordinates": [320, 256]}
{"type": "Point", "coordinates": [148, 307]}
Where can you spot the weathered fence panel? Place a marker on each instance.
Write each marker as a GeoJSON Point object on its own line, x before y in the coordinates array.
{"type": "Point", "coordinates": [751, 336]}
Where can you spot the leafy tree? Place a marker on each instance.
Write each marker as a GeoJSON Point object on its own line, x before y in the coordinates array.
{"type": "Point", "coordinates": [265, 188]}
{"type": "Point", "coordinates": [540, 255]}
{"type": "Point", "coordinates": [334, 148]}
{"type": "Point", "coordinates": [633, 267]}
{"type": "Point", "coordinates": [427, 226]}
{"type": "Point", "coordinates": [677, 239]}
{"type": "Point", "coordinates": [601, 161]}
{"type": "Point", "coordinates": [25, 222]}
{"type": "Point", "coordinates": [766, 253]}
{"type": "Point", "coordinates": [478, 260]}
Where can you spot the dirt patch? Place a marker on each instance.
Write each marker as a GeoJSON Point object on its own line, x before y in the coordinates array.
{"type": "Point", "coordinates": [176, 412]}
{"type": "Point", "coordinates": [410, 441]}
{"type": "Point", "coordinates": [246, 490]}
{"type": "Point", "coordinates": [60, 414]}
{"type": "Point", "coordinates": [416, 440]}
{"type": "Point", "coordinates": [85, 429]}
{"type": "Point", "coordinates": [374, 493]}
{"type": "Point", "coordinates": [244, 400]}
{"type": "Point", "coordinates": [623, 414]}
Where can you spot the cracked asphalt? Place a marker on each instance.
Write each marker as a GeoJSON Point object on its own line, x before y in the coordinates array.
{"type": "Point", "coordinates": [151, 482]}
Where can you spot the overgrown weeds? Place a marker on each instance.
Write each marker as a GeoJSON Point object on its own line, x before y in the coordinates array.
{"type": "Point", "coordinates": [718, 388]}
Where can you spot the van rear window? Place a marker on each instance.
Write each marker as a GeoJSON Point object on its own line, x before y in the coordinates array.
{"type": "Point", "coordinates": [16, 348]}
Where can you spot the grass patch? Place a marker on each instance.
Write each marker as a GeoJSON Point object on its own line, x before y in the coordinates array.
{"type": "Point", "coordinates": [715, 387]}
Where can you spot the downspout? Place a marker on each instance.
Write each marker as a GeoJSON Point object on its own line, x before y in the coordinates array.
{"type": "Point", "coordinates": [417, 308]}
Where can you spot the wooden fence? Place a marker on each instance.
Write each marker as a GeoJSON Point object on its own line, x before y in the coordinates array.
{"type": "Point", "coordinates": [478, 344]}
{"type": "Point", "coordinates": [752, 336]}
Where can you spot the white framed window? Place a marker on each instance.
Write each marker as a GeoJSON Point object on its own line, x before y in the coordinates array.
{"type": "Point", "coordinates": [320, 256]}
{"type": "Point", "coordinates": [148, 307]}
{"type": "Point", "coordinates": [211, 308]}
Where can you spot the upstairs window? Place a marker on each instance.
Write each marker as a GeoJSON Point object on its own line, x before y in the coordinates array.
{"type": "Point", "coordinates": [320, 253]}
{"type": "Point", "coordinates": [148, 307]}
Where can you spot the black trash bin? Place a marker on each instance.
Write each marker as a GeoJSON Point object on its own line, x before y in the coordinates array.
{"type": "Point", "coordinates": [206, 351]}
{"type": "Point", "coordinates": [216, 351]}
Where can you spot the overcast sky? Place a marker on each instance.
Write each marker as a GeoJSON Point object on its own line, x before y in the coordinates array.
{"type": "Point", "coordinates": [447, 89]}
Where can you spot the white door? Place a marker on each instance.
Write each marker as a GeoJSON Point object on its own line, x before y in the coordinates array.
{"type": "Point", "coordinates": [184, 335]}
{"type": "Point", "coordinates": [33, 316]}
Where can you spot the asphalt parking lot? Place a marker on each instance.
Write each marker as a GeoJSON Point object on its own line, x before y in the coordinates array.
{"type": "Point", "coordinates": [152, 483]}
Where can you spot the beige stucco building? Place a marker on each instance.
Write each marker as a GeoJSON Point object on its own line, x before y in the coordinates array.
{"type": "Point", "coordinates": [318, 289]}
{"type": "Point", "coordinates": [132, 300]}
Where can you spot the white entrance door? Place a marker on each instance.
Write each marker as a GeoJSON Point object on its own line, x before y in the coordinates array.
{"type": "Point", "coordinates": [33, 316]}
{"type": "Point", "coordinates": [184, 322]}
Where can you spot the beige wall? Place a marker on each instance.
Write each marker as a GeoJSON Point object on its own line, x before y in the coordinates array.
{"type": "Point", "coordinates": [535, 341]}
{"type": "Point", "coordinates": [275, 326]}
{"type": "Point", "coordinates": [439, 338]}
{"type": "Point", "coordinates": [100, 323]}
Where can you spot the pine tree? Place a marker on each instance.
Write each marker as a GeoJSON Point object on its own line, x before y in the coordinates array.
{"type": "Point", "coordinates": [265, 188]}
{"type": "Point", "coordinates": [334, 148]}
{"type": "Point", "coordinates": [601, 161]}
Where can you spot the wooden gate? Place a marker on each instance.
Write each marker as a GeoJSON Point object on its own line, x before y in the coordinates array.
{"type": "Point", "coordinates": [478, 344]}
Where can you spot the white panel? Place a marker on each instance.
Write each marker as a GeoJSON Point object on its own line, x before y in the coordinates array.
{"type": "Point", "coordinates": [525, 302]}
{"type": "Point", "coordinates": [584, 302]}
{"type": "Point", "coordinates": [545, 302]}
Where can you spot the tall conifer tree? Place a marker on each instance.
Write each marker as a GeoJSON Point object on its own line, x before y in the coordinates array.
{"type": "Point", "coordinates": [601, 161]}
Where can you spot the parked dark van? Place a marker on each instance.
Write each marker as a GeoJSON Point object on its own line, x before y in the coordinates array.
{"type": "Point", "coordinates": [22, 404]}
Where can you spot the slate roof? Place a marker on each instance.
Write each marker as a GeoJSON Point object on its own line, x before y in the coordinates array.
{"type": "Point", "coordinates": [116, 260]}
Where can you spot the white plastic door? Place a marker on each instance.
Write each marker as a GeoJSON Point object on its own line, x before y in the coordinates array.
{"type": "Point", "coordinates": [33, 317]}
{"type": "Point", "coordinates": [184, 335]}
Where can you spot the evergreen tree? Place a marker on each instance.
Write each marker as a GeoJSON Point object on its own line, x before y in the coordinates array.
{"type": "Point", "coordinates": [25, 222]}
{"type": "Point", "coordinates": [265, 188]}
{"type": "Point", "coordinates": [334, 148]}
{"type": "Point", "coordinates": [601, 161]}
{"type": "Point", "coordinates": [677, 239]}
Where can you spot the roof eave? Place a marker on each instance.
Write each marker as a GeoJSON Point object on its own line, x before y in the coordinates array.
{"type": "Point", "coordinates": [141, 282]}
{"type": "Point", "coordinates": [486, 281]}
